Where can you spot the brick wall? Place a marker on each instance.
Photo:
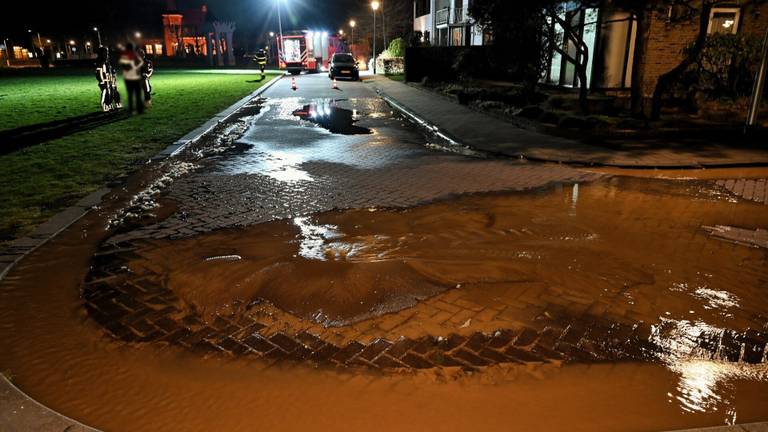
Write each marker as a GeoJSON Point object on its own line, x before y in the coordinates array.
{"type": "Point", "coordinates": [667, 41]}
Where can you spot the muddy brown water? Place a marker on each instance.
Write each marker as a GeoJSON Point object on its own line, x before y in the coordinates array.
{"type": "Point", "coordinates": [636, 245]}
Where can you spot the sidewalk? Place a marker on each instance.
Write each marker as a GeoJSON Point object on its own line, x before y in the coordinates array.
{"type": "Point", "coordinates": [486, 133]}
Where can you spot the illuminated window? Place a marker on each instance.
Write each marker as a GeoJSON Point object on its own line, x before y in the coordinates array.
{"type": "Point", "coordinates": [149, 49]}
{"type": "Point", "coordinates": [724, 20]}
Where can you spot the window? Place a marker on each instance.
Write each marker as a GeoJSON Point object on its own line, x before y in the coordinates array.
{"type": "Point", "coordinates": [422, 7]}
{"type": "Point", "coordinates": [724, 20]}
{"type": "Point", "coordinates": [442, 37]}
{"type": "Point", "coordinates": [457, 36]}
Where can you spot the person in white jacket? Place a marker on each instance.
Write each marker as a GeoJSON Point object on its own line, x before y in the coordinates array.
{"type": "Point", "coordinates": [132, 64]}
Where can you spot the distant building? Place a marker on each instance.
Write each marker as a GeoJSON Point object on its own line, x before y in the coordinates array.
{"type": "Point", "coordinates": [193, 33]}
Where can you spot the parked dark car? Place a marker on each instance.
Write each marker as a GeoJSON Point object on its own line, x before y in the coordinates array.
{"type": "Point", "coordinates": [343, 66]}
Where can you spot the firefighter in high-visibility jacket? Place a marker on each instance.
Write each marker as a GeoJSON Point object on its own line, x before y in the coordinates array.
{"type": "Point", "coordinates": [261, 60]}
{"type": "Point", "coordinates": [104, 77]}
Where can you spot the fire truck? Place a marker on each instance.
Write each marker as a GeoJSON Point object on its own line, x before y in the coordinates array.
{"type": "Point", "coordinates": [308, 51]}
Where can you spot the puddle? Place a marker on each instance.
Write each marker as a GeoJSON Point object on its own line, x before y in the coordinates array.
{"type": "Point", "coordinates": [605, 248]}
{"type": "Point", "coordinates": [619, 248]}
{"type": "Point", "coordinates": [361, 133]}
{"type": "Point", "coordinates": [330, 116]}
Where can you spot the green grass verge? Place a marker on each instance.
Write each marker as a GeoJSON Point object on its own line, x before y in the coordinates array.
{"type": "Point", "coordinates": [42, 179]}
{"type": "Point", "coordinates": [397, 77]}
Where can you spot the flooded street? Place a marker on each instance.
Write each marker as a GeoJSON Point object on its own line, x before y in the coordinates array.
{"type": "Point", "coordinates": [323, 264]}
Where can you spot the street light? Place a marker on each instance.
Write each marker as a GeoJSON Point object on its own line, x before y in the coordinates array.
{"type": "Point", "coordinates": [280, 29]}
{"type": "Point", "coordinates": [98, 34]}
{"type": "Point", "coordinates": [341, 32]}
{"type": "Point", "coordinates": [137, 35]}
{"type": "Point", "coordinates": [375, 6]}
{"type": "Point", "coordinates": [352, 24]}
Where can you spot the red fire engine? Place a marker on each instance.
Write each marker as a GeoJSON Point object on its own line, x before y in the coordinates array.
{"type": "Point", "coordinates": [308, 51]}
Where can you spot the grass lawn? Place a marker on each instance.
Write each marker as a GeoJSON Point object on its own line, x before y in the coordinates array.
{"type": "Point", "coordinates": [397, 77]}
{"type": "Point", "coordinates": [42, 179]}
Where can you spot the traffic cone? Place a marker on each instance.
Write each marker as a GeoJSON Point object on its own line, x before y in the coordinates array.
{"type": "Point", "coordinates": [294, 87]}
{"type": "Point", "coordinates": [335, 85]}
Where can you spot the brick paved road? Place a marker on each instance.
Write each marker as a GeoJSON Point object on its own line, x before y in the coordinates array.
{"type": "Point", "coordinates": [747, 189]}
{"type": "Point", "coordinates": [288, 167]}
{"type": "Point", "coordinates": [285, 166]}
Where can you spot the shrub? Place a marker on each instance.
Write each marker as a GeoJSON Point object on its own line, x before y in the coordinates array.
{"type": "Point", "coordinates": [725, 68]}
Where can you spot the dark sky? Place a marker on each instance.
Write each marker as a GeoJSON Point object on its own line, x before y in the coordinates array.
{"type": "Point", "coordinates": [75, 19]}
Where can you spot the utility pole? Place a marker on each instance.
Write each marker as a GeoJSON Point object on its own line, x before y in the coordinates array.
{"type": "Point", "coordinates": [757, 90]}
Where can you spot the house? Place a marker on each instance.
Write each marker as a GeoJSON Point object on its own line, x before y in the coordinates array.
{"type": "Point", "coordinates": [446, 23]}
{"type": "Point", "coordinates": [609, 33]}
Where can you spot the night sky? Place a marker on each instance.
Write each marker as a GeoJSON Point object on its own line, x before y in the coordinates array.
{"type": "Point", "coordinates": [116, 18]}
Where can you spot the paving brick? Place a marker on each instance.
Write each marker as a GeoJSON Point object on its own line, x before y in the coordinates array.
{"type": "Point", "coordinates": [259, 344]}
{"type": "Point", "coordinates": [470, 358]}
{"type": "Point", "coordinates": [416, 361]}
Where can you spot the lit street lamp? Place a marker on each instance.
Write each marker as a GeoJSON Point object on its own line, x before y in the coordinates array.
{"type": "Point", "coordinates": [352, 24]}
{"type": "Point", "coordinates": [375, 6]}
{"type": "Point", "coordinates": [280, 29]}
{"type": "Point", "coordinates": [98, 34]}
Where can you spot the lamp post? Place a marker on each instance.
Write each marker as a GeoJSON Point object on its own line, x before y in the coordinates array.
{"type": "Point", "coordinates": [384, 25]}
{"type": "Point", "coordinates": [375, 6]}
{"type": "Point", "coordinates": [7, 53]}
{"type": "Point", "coordinates": [271, 42]}
{"type": "Point", "coordinates": [757, 90]}
{"type": "Point", "coordinates": [98, 35]}
{"type": "Point", "coordinates": [352, 24]}
{"type": "Point", "coordinates": [280, 29]}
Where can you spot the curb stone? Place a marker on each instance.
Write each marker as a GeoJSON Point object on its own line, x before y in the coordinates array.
{"type": "Point", "coordinates": [206, 127]}
{"type": "Point", "coordinates": [21, 413]}
{"type": "Point", "coordinates": [747, 427]}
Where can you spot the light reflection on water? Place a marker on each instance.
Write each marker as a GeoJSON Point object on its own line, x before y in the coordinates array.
{"type": "Point", "coordinates": [704, 385]}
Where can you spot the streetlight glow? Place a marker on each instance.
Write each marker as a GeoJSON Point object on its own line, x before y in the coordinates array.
{"type": "Point", "coordinates": [72, 42]}
{"type": "Point", "coordinates": [375, 5]}
{"type": "Point", "coordinates": [352, 23]}
{"type": "Point", "coordinates": [341, 32]}
{"type": "Point", "coordinates": [138, 35]}
{"type": "Point", "coordinates": [271, 34]}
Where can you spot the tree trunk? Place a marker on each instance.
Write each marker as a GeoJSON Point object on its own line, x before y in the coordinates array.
{"type": "Point", "coordinates": [666, 80]}
{"type": "Point", "coordinates": [638, 62]}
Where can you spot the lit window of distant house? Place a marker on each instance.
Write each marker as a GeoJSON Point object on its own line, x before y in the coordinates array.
{"type": "Point", "coordinates": [724, 20]}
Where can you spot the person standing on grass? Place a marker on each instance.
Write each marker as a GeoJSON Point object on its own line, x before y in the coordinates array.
{"type": "Point", "coordinates": [103, 76]}
{"type": "Point", "coordinates": [146, 74]}
{"type": "Point", "coordinates": [131, 63]}
{"type": "Point", "coordinates": [261, 60]}
{"type": "Point", "coordinates": [114, 93]}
